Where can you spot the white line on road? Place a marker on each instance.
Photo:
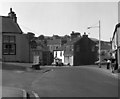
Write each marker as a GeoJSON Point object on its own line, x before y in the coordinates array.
{"type": "Point", "coordinates": [24, 94]}
{"type": "Point", "coordinates": [36, 95]}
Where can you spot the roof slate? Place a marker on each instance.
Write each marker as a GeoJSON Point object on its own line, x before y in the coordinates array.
{"type": "Point", "coordinates": [9, 26]}
{"type": "Point", "coordinates": [54, 42]}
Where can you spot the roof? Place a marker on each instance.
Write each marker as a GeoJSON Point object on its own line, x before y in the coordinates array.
{"type": "Point", "coordinates": [71, 42]}
{"type": "Point", "coordinates": [68, 53]}
{"type": "Point", "coordinates": [9, 26]}
{"type": "Point", "coordinates": [94, 39]}
{"type": "Point", "coordinates": [54, 42]}
{"type": "Point", "coordinates": [62, 48]}
{"type": "Point", "coordinates": [40, 45]}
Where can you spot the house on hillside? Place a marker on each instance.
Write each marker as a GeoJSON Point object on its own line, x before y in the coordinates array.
{"type": "Point", "coordinates": [75, 34]}
{"type": "Point", "coordinates": [105, 48]}
{"type": "Point", "coordinates": [53, 44]}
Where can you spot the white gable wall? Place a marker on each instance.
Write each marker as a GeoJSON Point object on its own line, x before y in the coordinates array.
{"type": "Point", "coordinates": [60, 55]}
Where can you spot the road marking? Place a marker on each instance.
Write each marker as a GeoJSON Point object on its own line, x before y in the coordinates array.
{"type": "Point", "coordinates": [24, 94]}
{"type": "Point", "coordinates": [36, 95]}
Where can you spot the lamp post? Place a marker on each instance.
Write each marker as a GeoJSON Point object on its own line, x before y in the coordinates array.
{"type": "Point", "coordinates": [99, 40]}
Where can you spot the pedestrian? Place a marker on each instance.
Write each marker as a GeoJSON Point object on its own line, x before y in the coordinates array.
{"type": "Point", "coordinates": [113, 63]}
{"type": "Point", "coordinates": [108, 64]}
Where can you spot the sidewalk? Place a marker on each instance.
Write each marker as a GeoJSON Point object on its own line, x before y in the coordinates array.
{"type": "Point", "coordinates": [19, 64]}
{"type": "Point", "coordinates": [109, 71]}
{"type": "Point", "coordinates": [22, 67]}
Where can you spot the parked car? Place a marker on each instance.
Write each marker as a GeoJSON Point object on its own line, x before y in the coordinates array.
{"type": "Point", "coordinates": [59, 62]}
{"type": "Point", "coordinates": [53, 64]}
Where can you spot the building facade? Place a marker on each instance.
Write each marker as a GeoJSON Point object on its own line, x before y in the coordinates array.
{"type": "Point", "coordinates": [54, 44]}
{"type": "Point", "coordinates": [58, 55]}
{"type": "Point", "coordinates": [0, 39]}
{"type": "Point", "coordinates": [85, 51]}
{"type": "Point", "coordinates": [16, 46]}
{"type": "Point", "coordinates": [116, 44]}
{"type": "Point", "coordinates": [68, 52]}
{"type": "Point", "coordinates": [14, 43]}
{"type": "Point", "coordinates": [41, 52]}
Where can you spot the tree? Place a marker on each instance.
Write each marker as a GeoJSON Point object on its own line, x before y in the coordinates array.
{"type": "Point", "coordinates": [41, 37]}
{"type": "Point", "coordinates": [30, 35]}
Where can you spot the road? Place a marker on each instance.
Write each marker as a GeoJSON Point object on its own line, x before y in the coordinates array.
{"type": "Point", "coordinates": [81, 81]}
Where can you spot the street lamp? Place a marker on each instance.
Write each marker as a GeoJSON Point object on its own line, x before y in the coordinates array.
{"type": "Point", "coordinates": [99, 40]}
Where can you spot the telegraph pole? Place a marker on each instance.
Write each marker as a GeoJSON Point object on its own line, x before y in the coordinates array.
{"type": "Point", "coordinates": [99, 44]}
{"type": "Point", "coordinates": [99, 51]}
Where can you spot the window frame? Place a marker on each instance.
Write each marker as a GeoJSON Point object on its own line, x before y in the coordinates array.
{"type": "Point", "coordinates": [9, 43]}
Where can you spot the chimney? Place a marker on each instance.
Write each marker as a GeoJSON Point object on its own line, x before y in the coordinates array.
{"type": "Point", "coordinates": [75, 35]}
{"type": "Point", "coordinates": [85, 35]}
{"type": "Point", "coordinates": [12, 15]}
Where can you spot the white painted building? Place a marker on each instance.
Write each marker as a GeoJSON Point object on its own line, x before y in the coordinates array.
{"type": "Point", "coordinates": [58, 54]}
{"type": "Point", "coordinates": [68, 60]}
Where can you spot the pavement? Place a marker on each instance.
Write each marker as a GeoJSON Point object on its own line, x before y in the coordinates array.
{"type": "Point", "coordinates": [22, 67]}
{"type": "Point", "coordinates": [109, 71]}
{"type": "Point", "coordinates": [13, 92]}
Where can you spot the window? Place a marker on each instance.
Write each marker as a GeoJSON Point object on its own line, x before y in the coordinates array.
{"type": "Point", "coordinates": [9, 45]}
{"type": "Point", "coordinates": [56, 47]}
{"type": "Point", "coordinates": [61, 53]}
{"type": "Point", "coordinates": [12, 39]}
{"type": "Point", "coordinates": [93, 48]}
{"type": "Point", "coordinates": [77, 48]}
{"type": "Point", "coordinates": [8, 39]}
{"type": "Point", "coordinates": [56, 54]}
{"type": "Point", "coordinates": [9, 49]}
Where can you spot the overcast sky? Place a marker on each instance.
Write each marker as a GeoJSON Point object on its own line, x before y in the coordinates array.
{"type": "Point", "coordinates": [61, 18]}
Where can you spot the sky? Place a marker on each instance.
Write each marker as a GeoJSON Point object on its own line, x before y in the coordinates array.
{"type": "Point", "coordinates": [61, 18]}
